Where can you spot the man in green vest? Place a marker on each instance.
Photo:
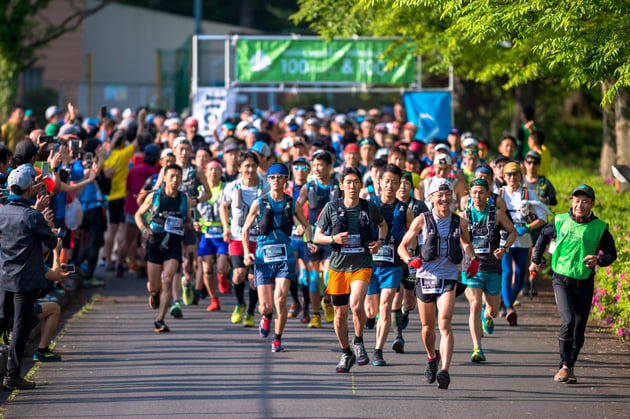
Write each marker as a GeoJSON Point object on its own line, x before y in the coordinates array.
{"type": "Point", "coordinates": [579, 242]}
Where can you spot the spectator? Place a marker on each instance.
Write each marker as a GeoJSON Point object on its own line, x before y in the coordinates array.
{"type": "Point", "coordinates": [11, 132]}
{"type": "Point", "coordinates": [53, 116]}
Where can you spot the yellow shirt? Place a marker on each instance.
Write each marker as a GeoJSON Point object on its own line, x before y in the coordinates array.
{"type": "Point", "coordinates": [545, 161]}
{"type": "Point", "coordinates": [119, 160]}
{"type": "Point", "coordinates": [11, 135]}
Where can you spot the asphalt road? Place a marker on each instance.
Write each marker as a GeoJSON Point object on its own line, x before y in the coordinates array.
{"type": "Point", "coordinates": [115, 366]}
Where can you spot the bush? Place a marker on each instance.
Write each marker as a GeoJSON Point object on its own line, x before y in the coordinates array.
{"type": "Point", "coordinates": [611, 300]}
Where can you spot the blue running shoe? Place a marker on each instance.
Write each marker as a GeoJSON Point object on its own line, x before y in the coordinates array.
{"type": "Point", "coordinates": [488, 325]}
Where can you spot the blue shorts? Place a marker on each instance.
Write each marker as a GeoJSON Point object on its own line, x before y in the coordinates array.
{"type": "Point", "coordinates": [384, 277]}
{"type": "Point", "coordinates": [323, 252]}
{"type": "Point", "coordinates": [299, 246]}
{"type": "Point", "coordinates": [266, 273]}
{"type": "Point", "coordinates": [489, 282]}
{"type": "Point", "coordinates": [212, 247]}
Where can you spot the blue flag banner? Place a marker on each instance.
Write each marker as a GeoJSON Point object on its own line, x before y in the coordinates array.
{"type": "Point", "coordinates": [431, 112]}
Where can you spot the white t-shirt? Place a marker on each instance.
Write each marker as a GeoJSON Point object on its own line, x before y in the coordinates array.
{"type": "Point", "coordinates": [514, 205]}
{"type": "Point", "coordinates": [238, 214]}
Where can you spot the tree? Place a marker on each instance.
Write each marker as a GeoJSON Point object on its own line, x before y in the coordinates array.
{"type": "Point", "coordinates": [585, 43]}
{"type": "Point", "coordinates": [22, 35]}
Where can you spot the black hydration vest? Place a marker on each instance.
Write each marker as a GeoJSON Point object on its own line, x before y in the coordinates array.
{"type": "Point", "coordinates": [490, 230]}
{"type": "Point", "coordinates": [431, 247]}
{"type": "Point", "coordinates": [268, 218]}
{"type": "Point", "coordinates": [341, 223]}
{"type": "Point", "coordinates": [417, 206]}
{"type": "Point", "coordinates": [317, 200]}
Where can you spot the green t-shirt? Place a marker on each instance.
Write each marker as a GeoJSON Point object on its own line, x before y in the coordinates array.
{"type": "Point", "coordinates": [348, 262]}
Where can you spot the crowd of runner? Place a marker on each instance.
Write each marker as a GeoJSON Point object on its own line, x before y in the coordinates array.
{"type": "Point", "coordinates": [308, 214]}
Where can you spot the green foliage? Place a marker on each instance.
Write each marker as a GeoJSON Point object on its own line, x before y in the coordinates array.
{"type": "Point", "coordinates": [38, 100]}
{"type": "Point", "coordinates": [611, 301]}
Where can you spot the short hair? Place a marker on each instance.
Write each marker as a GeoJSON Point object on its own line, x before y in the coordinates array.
{"type": "Point", "coordinates": [203, 148]}
{"type": "Point", "coordinates": [397, 150]}
{"type": "Point", "coordinates": [392, 168]}
{"type": "Point", "coordinates": [5, 154]}
{"type": "Point", "coordinates": [412, 157]}
{"type": "Point", "coordinates": [538, 137]}
{"type": "Point", "coordinates": [173, 166]}
{"type": "Point", "coordinates": [351, 171]}
{"type": "Point", "coordinates": [508, 136]}
{"type": "Point", "coordinates": [379, 163]}
{"type": "Point", "coordinates": [322, 155]}
{"type": "Point", "coordinates": [246, 155]}
{"type": "Point", "coordinates": [17, 106]}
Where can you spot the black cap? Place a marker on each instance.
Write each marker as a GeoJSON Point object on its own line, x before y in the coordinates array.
{"type": "Point", "coordinates": [25, 150]}
{"type": "Point", "coordinates": [533, 155]}
{"type": "Point", "coordinates": [302, 160]}
{"type": "Point", "coordinates": [584, 190]}
{"type": "Point", "coordinates": [501, 159]}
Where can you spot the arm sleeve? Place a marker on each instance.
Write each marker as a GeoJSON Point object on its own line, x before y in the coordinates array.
{"type": "Point", "coordinates": [551, 194]}
{"type": "Point", "coordinates": [547, 234]}
{"type": "Point", "coordinates": [606, 250]}
{"type": "Point", "coordinates": [376, 213]}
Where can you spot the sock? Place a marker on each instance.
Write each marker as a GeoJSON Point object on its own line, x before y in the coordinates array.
{"type": "Point", "coordinates": [358, 339]}
{"type": "Point", "coordinates": [253, 301]}
{"type": "Point", "coordinates": [294, 292]}
{"type": "Point", "coordinates": [268, 316]}
{"type": "Point", "coordinates": [347, 350]}
{"type": "Point", "coordinates": [307, 296]}
{"type": "Point", "coordinates": [398, 319]}
{"type": "Point", "coordinates": [277, 336]}
{"type": "Point", "coordinates": [239, 291]}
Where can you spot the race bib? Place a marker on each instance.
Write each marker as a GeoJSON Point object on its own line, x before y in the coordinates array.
{"type": "Point", "coordinates": [384, 254]}
{"type": "Point", "coordinates": [214, 232]}
{"type": "Point", "coordinates": [432, 286]}
{"type": "Point", "coordinates": [481, 244]}
{"type": "Point", "coordinates": [174, 225]}
{"type": "Point", "coordinates": [274, 253]}
{"type": "Point", "coordinates": [353, 245]}
{"type": "Point", "coordinates": [412, 275]}
{"type": "Point", "coordinates": [552, 247]}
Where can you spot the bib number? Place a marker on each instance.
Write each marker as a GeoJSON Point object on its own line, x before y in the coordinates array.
{"type": "Point", "coordinates": [274, 253]}
{"type": "Point", "coordinates": [174, 225]}
{"type": "Point", "coordinates": [432, 286]}
{"type": "Point", "coordinates": [384, 254]}
{"type": "Point", "coordinates": [214, 232]}
{"type": "Point", "coordinates": [353, 245]}
{"type": "Point", "coordinates": [552, 247]}
{"type": "Point", "coordinates": [411, 278]}
{"type": "Point", "coordinates": [481, 244]}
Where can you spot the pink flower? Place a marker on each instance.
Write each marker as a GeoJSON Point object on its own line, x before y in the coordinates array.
{"type": "Point", "coordinates": [620, 332]}
{"type": "Point", "coordinates": [623, 276]}
{"type": "Point", "coordinates": [609, 181]}
{"type": "Point", "coordinates": [615, 227]}
{"type": "Point", "coordinates": [628, 235]}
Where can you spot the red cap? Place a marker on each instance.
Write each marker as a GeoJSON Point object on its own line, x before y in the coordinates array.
{"type": "Point", "coordinates": [351, 148]}
{"type": "Point", "coordinates": [190, 121]}
{"type": "Point", "coordinates": [409, 125]}
{"type": "Point", "coordinates": [415, 146]}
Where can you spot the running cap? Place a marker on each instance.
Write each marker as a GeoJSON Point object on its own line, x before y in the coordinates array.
{"type": "Point", "coordinates": [470, 142]}
{"type": "Point", "coordinates": [191, 122]}
{"type": "Point", "coordinates": [512, 167]}
{"type": "Point", "coordinates": [500, 159]}
{"type": "Point", "coordinates": [52, 111]}
{"type": "Point", "coordinates": [166, 152]}
{"type": "Point", "coordinates": [440, 185]}
{"type": "Point", "coordinates": [181, 140]}
{"type": "Point", "coordinates": [533, 155]}
{"type": "Point", "coordinates": [261, 148]}
{"type": "Point", "coordinates": [480, 182]}
{"type": "Point", "coordinates": [579, 190]}
{"type": "Point", "coordinates": [351, 148]}
{"type": "Point", "coordinates": [483, 169]}
{"type": "Point", "coordinates": [278, 169]}
{"type": "Point", "coordinates": [442, 159]}
{"type": "Point", "coordinates": [22, 177]}
{"type": "Point", "coordinates": [367, 141]}
{"type": "Point", "coordinates": [301, 160]}
{"type": "Point", "coordinates": [443, 148]}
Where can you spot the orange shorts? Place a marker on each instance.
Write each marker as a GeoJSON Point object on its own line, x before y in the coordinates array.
{"type": "Point", "coordinates": [339, 282]}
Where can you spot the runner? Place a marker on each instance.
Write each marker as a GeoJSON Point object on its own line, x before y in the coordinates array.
{"type": "Point", "coordinates": [444, 238]}
{"type": "Point", "coordinates": [235, 202]}
{"type": "Point", "coordinates": [347, 224]}
{"type": "Point", "coordinates": [579, 242]}
{"type": "Point", "coordinates": [167, 208]}
{"type": "Point", "coordinates": [322, 189]}
{"type": "Point", "coordinates": [484, 220]}
{"type": "Point", "coordinates": [274, 260]}
{"type": "Point", "coordinates": [387, 272]}
{"type": "Point", "coordinates": [442, 169]}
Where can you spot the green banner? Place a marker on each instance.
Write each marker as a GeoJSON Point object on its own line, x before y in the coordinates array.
{"type": "Point", "coordinates": [318, 61]}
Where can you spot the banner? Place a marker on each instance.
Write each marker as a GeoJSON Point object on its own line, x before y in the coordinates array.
{"type": "Point", "coordinates": [211, 105]}
{"type": "Point", "coordinates": [318, 61]}
{"type": "Point", "coordinates": [431, 112]}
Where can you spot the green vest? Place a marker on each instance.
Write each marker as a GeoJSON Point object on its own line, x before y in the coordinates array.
{"type": "Point", "coordinates": [574, 242]}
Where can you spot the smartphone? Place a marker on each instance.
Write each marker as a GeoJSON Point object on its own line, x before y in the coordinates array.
{"type": "Point", "coordinates": [88, 160]}
{"type": "Point", "coordinates": [75, 145]}
{"type": "Point", "coordinates": [42, 191]}
{"type": "Point", "coordinates": [67, 268]}
{"type": "Point", "coordinates": [56, 148]}
{"type": "Point", "coordinates": [43, 166]}
{"type": "Point", "coordinates": [103, 112]}
{"type": "Point", "coordinates": [47, 139]}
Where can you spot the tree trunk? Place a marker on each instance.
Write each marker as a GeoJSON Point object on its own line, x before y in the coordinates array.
{"type": "Point", "coordinates": [609, 147]}
{"type": "Point", "coordinates": [8, 84]}
{"type": "Point", "coordinates": [622, 128]}
{"type": "Point", "coordinates": [524, 95]}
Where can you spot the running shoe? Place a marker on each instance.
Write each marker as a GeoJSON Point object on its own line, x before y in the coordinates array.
{"type": "Point", "coordinates": [477, 355]}
{"type": "Point", "coordinates": [405, 320]}
{"type": "Point", "coordinates": [160, 326]}
{"type": "Point", "coordinates": [346, 362]}
{"type": "Point", "coordinates": [443, 379]}
{"type": "Point", "coordinates": [10, 384]}
{"type": "Point", "coordinates": [276, 346]}
{"type": "Point", "coordinates": [377, 358]}
{"type": "Point", "coordinates": [154, 301]}
{"type": "Point", "coordinates": [224, 284]}
{"type": "Point", "coordinates": [329, 312]}
{"type": "Point", "coordinates": [316, 322]}
{"type": "Point", "coordinates": [248, 320]}
{"type": "Point", "coordinates": [120, 270]}
{"type": "Point", "coordinates": [502, 310]}
{"type": "Point", "coordinates": [237, 314]}
{"type": "Point", "coordinates": [563, 374]}
{"type": "Point", "coordinates": [214, 305]}
{"type": "Point", "coordinates": [361, 353]}
{"type": "Point", "coordinates": [306, 318]}
{"type": "Point", "coordinates": [517, 303]}
{"type": "Point", "coordinates": [398, 345]}
{"type": "Point", "coordinates": [572, 379]}
{"type": "Point", "coordinates": [263, 327]}
{"type": "Point", "coordinates": [512, 318]}
{"type": "Point", "coordinates": [488, 325]}
{"type": "Point", "coordinates": [196, 297]}
{"type": "Point", "coordinates": [176, 310]}
{"type": "Point", "coordinates": [294, 311]}
{"type": "Point", "coordinates": [188, 294]}
{"type": "Point", "coordinates": [370, 323]}
{"type": "Point", "coordinates": [431, 369]}
{"type": "Point", "coordinates": [46, 355]}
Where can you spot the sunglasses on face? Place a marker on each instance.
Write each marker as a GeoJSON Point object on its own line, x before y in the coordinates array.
{"type": "Point", "coordinates": [275, 177]}
{"type": "Point", "coordinates": [300, 167]}
{"type": "Point", "coordinates": [512, 174]}
{"type": "Point", "coordinates": [531, 162]}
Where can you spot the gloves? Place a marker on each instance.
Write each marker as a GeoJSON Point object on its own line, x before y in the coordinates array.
{"type": "Point", "coordinates": [415, 262]}
{"type": "Point", "coordinates": [521, 230]}
{"type": "Point", "coordinates": [472, 269]}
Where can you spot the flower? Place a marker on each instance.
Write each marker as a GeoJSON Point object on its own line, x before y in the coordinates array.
{"type": "Point", "coordinates": [608, 181]}
{"type": "Point", "coordinates": [620, 332]}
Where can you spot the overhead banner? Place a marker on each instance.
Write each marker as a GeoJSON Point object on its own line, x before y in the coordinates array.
{"type": "Point", "coordinates": [431, 112]}
{"type": "Point", "coordinates": [318, 61]}
{"type": "Point", "coordinates": [210, 107]}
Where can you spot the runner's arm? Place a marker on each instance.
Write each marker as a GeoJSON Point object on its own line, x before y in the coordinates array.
{"type": "Point", "coordinates": [465, 238]}
{"type": "Point", "coordinates": [606, 250]}
{"type": "Point", "coordinates": [299, 214]}
{"type": "Point", "coordinates": [204, 182]}
{"type": "Point", "coordinates": [249, 222]}
{"type": "Point", "coordinates": [506, 224]}
{"type": "Point", "coordinates": [547, 234]}
{"type": "Point", "coordinates": [144, 207]}
{"type": "Point", "coordinates": [410, 236]}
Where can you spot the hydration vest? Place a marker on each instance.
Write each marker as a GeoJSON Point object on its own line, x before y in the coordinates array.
{"type": "Point", "coordinates": [341, 223]}
{"type": "Point", "coordinates": [270, 220]}
{"type": "Point", "coordinates": [158, 215]}
{"type": "Point", "coordinates": [238, 201]}
{"type": "Point", "coordinates": [209, 211]}
{"type": "Point", "coordinates": [316, 201]}
{"type": "Point", "coordinates": [417, 206]}
{"type": "Point", "coordinates": [396, 226]}
{"type": "Point", "coordinates": [189, 181]}
{"type": "Point", "coordinates": [430, 249]}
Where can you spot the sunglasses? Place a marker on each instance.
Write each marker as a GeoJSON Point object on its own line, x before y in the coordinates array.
{"type": "Point", "coordinates": [275, 177]}
{"type": "Point", "coordinates": [512, 174]}
{"type": "Point", "coordinates": [300, 167]}
{"type": "Point", "coordinates": [531, 162]}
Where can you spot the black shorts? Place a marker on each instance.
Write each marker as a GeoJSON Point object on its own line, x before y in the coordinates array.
{"type": "Point", "coordinates": [116, 211]}
{"type": "Point", "coordinates": [408, 283]}
{"type": "Point", "coordinates": [158, 254]}
{"type": "Point", "coordinates": [190, 237]}
{"type": "Point", "coordinates": [449, 285]}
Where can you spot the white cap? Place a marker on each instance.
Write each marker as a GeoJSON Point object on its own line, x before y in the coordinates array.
{"type": "Point", "coordinates": [440, 184]}
{"type": "Point", "coordinates": [442, 158]}
{"type": "Point", "coordinates": [470, 142]}
{"type": "Point", "coordinates": [52, 111]}
{"type": "Point", "coordinates": [242, 125]}
{"type": "Point", "coordinates": [286, 143]}
{"type": "Point", "coordinates": [166, 152]}
{"type": "Point", "coordinates": [442, 147]}
{"type": "Point", "coordinates": [180, 140]}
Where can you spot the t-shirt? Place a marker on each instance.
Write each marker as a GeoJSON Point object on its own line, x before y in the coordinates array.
{"type": "Point", "coordinates": [545, 161]}
{"type": "Point", "coordinates": [135, 180]}
{"type": "Point", "coordinates": [514, 205]}
{"type": "Point", "coordinates": [119, 159]}
{"type": "Point", "coordinates": [348, 262]}
{"type": "Point", "coordinates": [11, 134]}
{"type": "Point", "coordinates": [238, 211]}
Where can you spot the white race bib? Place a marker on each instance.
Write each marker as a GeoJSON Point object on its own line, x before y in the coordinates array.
{"type": "Point", "coordinates": [384, 254]}
{"type": "Point", "coordinates": [432, 286]}
{"type": "Point", "coordinates": [552, 247]}
{"type": "Point", "coordinates": [174, 225]}
{"type": "Point", "coordinates": [353, 245]}
{"type": "Point", "coordinates": [214, 232]}
{"type": "Point", "coordinates": [274, 253]}
{"type": "Point", "coordinates": [481, 244]}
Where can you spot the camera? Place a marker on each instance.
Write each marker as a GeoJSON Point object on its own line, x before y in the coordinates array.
{"type": "Point", "coordinates": [88, 160]}
{"type": "Point", "coordinates": [75, 145]}
{"type": "Point", "coordinates": [67, 268]}
{"type": "Point", "coordinates": [47, 139]}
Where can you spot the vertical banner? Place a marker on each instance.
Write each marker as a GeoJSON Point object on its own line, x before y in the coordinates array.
{"type": "Point", "coordinates": [211, 106]}
{"type": "Point", "coordinates": [431, 112]}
